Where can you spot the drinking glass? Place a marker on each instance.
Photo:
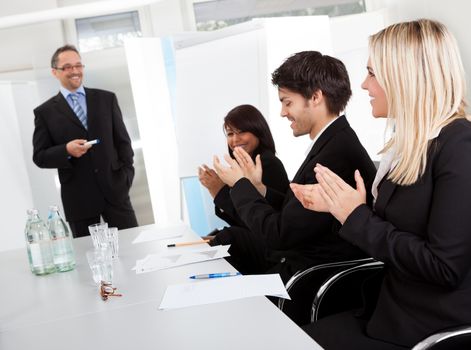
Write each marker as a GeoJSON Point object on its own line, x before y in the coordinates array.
{"type": "Point", "coordinates": [111, 237]}
{"type": "Point", "coordinates": [97, 232]}
{"type": "Point", "coordinates": [101, 264]}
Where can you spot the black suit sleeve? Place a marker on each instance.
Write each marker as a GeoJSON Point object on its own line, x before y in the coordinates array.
{"type": "Point", "coordinates": [289, 228]}
{"type": "Point", "coordinates": [273, 176]}
{"type": "Point", "coordinates": [441, 254]}
{"type": "Point", "coordinates": [46, 154]}
{"type": "Point", "coordinates": [224, 209]}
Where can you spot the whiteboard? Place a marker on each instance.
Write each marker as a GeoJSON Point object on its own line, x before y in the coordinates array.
{"type": "Point", "coordinates": [212, 78]}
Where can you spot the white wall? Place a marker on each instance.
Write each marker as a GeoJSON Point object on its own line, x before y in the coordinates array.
{"type": "Point", "coordinates": [171, 17]}
{"type": "Point", "coordinates": [14, 184]}
{"type": "Point", "coordinates": [351, 46]}
{"type": "Point", "coordinates": [455, 14]}
{"type": "Point", "coordinates": [43, 182]}
{"type": "Point", "coordinates": [153, 107]}
{"type": "Point", "coordinates": [37, 40]}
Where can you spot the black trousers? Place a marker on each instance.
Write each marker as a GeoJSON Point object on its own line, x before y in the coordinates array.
{"type": "Point", "coordinates": [121, 216]}
{"type": "Point", "coordinates": [345, 331]}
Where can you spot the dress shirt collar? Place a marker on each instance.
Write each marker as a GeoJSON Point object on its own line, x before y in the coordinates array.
{"type": "Point", "coordinates": [318, 135]}
{"type": "Point", "coordinates": [66, 92]}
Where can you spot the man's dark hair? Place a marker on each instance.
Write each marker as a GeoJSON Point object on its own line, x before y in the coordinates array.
{"type": "Point", "coordinates": [249, 119]}
{"type": "Point", "coordinates": [61, 49]}
{"type": "Point", "coordinates": [309, 71]}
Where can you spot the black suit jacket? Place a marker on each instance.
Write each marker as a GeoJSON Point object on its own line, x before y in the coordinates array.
{"type": "Point", "coordinates": [274, 177]}
{"type": "Point", "coordinates": [105, 172]}
{"type": "Point", "coordinates": [423, 234]}
{"type": "Point", "coordinates": [295, 236]}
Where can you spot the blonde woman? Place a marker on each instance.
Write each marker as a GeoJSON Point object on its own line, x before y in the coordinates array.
{"type": "Point", "coordinates": [420, 226]}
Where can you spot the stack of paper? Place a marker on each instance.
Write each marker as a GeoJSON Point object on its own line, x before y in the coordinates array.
{"type": "Point", "coordinates": [155, 262]}
{"type": "Point", "coordinates": [222, 289]}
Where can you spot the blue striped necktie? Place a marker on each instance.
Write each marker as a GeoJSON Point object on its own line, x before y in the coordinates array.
{"type": "Point", "coordinates": [78, 110]}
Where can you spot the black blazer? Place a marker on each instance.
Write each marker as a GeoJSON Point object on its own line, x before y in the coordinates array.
{"type": "Point", "coordinates": [105, 172]}
{"type": "Point", "coordinates": [423, 234]}
{"type": "Point", "coordinates": [295, 236]}
{"type": "Point", "coordinates": [273, 176]}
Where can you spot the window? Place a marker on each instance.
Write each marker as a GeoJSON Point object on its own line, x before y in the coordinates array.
{"type": "Point", "coordinates": [102, 32]}
{"type": "Point", "coordinates": [216, 14]}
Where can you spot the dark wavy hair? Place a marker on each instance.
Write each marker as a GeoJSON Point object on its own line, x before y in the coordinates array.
{"type": "Point", "coordinates": [248, 118]}
{"type": "Point", "coordinates": [309, 71]}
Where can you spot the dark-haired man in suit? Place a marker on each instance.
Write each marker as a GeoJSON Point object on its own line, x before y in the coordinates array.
{"type": "Point", "coordinates": [95, 179]}
{"type": "Point", "coordinates": [313, 90]}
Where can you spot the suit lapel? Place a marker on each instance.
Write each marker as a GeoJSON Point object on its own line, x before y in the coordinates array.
{"type": "Point", "coordinates": [64, 109]}
{"type": "Point", "coordinates": [328, 133]}
{"type": "Point", "coordinates": [385, 192]}
{"type": "Point", "coordinates": [91, 108]}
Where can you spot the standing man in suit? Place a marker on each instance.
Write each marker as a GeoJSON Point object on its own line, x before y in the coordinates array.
{"type": "Point", "coordinates": [95, 179]}
{"type": "Point", "coordinates": [313, 89]}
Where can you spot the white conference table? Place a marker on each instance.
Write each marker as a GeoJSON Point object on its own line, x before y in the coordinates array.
{"type": "Point", "coordinates": [64, 310]}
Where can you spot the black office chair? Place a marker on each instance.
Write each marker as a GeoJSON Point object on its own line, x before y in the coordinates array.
{"type": "Point", "coordinates": [453, 339]}
{"type": "Point", "coordinates": [358, 287]}
{"type": "Point", "coordinates": [303, 285]}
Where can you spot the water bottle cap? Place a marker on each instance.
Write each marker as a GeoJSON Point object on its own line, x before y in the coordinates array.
{"type": "Point", "coordinates": [32, 211]}
{"type": "Point", "coordinates": [53, 208]}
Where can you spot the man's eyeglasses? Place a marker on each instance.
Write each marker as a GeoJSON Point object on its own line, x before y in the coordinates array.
{"type": "Point", "coordinates": [69, 68]}
{"type": "Point", "coordinates": [107, 290]}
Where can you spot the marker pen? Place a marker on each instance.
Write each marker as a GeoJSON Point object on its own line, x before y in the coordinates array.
{"type": "Point", "coordinates": [92, 142]}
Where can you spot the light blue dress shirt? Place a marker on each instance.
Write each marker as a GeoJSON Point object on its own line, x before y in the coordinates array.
{"type": "Point", "coordinates": [81, 97]}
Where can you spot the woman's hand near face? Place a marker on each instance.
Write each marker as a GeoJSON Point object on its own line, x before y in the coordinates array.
{"type": "Point", "coordinates": [252, 171]}
{"type": "Point", "coordinates": [228, 174]}
{"type": "Point", "coordinates": [210, 180]}
{"type": "Point", "coordinates": [339, 197]}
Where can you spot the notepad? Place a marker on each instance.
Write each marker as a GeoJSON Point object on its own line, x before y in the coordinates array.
{"type": "Point", "coordinates": [218, 290]}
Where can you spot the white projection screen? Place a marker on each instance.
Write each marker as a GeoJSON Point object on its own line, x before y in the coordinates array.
{"type": "Point", "coordinates": [212, 78]}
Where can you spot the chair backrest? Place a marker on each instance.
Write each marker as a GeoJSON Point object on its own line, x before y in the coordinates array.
{"type": "Point", "coordinates": [353, 288]}
{"type": "Point", "coordinates": [452, 339]}
{"type": "Point", "coordinates": [302, 288]}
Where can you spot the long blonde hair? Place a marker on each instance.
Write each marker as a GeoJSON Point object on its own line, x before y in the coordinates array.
{"type": "Point", "coordinates": [419, 67]}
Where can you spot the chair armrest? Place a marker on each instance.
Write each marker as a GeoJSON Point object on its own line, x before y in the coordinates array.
{"type": "Point", "coordinates": [455, 338]}
{"type": "Point", "coordinates": [345, 290]}
{"type": "Point", "coordinates": [303, 286]}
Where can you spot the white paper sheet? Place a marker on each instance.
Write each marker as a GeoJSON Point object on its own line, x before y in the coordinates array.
{"type": "Point", "coordinates": [164, 232]}
{"type": "Point", "coordinates": [216, 290]}
{"type": "Point", "coordinates": [174, 258]}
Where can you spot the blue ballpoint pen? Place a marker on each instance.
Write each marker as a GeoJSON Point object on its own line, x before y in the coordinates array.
{"type": "Point", "coordinates": [215, 275]}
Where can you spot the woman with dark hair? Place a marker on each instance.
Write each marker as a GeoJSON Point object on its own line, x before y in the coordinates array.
{"type": "Point", "coordinates": [245, 127]}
